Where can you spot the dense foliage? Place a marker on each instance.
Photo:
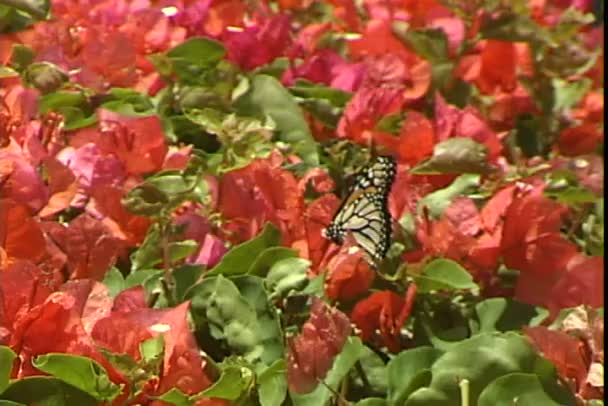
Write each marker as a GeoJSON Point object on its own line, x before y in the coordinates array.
{"type": "Point", "coordinates": [167, 169]}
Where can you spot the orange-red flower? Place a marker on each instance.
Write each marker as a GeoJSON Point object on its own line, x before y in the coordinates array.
{"type": "Point", "coordinates": [385, 311]}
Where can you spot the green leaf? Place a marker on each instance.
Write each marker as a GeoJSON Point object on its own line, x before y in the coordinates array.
{"type": "Point", "coordinates": [10, 403]}
{"type": "Point", "coordinates": [309, 90]}
{"type": "Point", "coordinates": [198, 51]}
{"type": "Point", "coordinates": [80, 372]}
{"type": "Point", "coordinates": [481, 360]}
{"type": "Point", "coordinates": [128, 102]}
{"type": "Point", "coordinates": [46, 391]}
{"type": "Point", "coordinates": [430, 43]}
{"type": "Point", "coordinates": [7, 356]}
{"type": "Point", "coordinates": [175, 397]}
{"type": "Point", "coordinates": [195, 55]}
{"type": "Point", "coordinates": [230, 386]}
{"type": "Point", "coordinates": [6, 72]}
{"type": "Point", "coordinates": [240, 258]}
{"type": "Point", "coordinates": [21, 56]}
{"type": "Point", "coordinates": [72, 105]}
{"type": "Point", "coordinates": [181, 249]}
{"type": "Point", "coordinates": [114, 281]}
{"type": "Point", "coordinates": [272, 383]}
{"type": "Point", "coordinates": [372, 402]}
{"type": "Point", "coordinates": [148, 253]}
{"type": "Point", "coordinates": [408, 371]}
{"type": "Point", "coordinates": [287, 275]}
{"type": "Point", "coordinates": [152, 349]}
{"type": "Point", "coordinates": [353, 350]}
{"type": "Point", "coordinates": [139, 276]}
{"type": "Point", "coordinates": [444, 274]}
{"type": "Point", "coordinates": [269, 334]}
{"type": "Point", "coordinates": [519, 388]}
{"type": "Point", "coordinates": [568, 94]}
{"type": "Point", "coordinates": [455, 156]}
{"type": "Point", "coordinates": [145, 200]}
{"type": "Point", "coordinates": [267, 97]}
{"type": "Point", "coordinates": [269, 257]}
{"type": "Point", "coordinates": [185, 277]}
{"type": "Point", "coordinates": [217, 305]}
{"type": "Point", "coordinates": [39, 9]}
{"type": "Point", "coordinates": [439, 200]}
{"type": "Point", "coordinates": [502, 314]}
{"type": "Point", "coordinates": [529, 135]}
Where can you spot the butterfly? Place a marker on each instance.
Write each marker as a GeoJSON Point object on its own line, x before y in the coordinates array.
{"type": "Point", "coordinates": [364, 213]}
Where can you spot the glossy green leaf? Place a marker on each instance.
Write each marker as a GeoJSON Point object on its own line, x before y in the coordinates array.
{"type": "Point", "coordinates": [267, 97]}
{"type": "Point", "coordinates": [217, 305]}
{"type": "Point", "coordinates": [309, 90]}
{"type": "Point", "coordinates": [372, 402]}
{"type": "Point", "coordinates": [46, 391]}
{"type": "Point", "coordinates": [502, 314]}
{"type": "Point", "coordinates": [80, 372]}
{"type": "Point", "coordinates": [439, 200]}
{"type": "Point", "coordinates": [272, 383]}
{"type": "Point", "coordinates": [269, 333]}
{"type": "Point", "coordinates": [410, 370]}
{"type": "Point", "coordinates": [444, 274]}
{"type": "Point", "coordinates": [494, 355]}
{"type": "Point", "coordinates": [186, 276]}
{"type": "Point", "coordinates": [289, 274]}
{"type": "Point", "coordinates": [114, 281]}
{"type": "Point", "coordinates": [240, 258]}
{"type": "Point", "coordinates": [7, 356]}
{"type": "Point", "coordinates": [520, 388]}
{"type": "Point", "coordinates": [269, 257]}
{"type": "Point", "coordinates": [230, 386]}
{"type": "Point", "coordinates": [198, 51]}
{"type": "Point", "coordinates": [455, 156]}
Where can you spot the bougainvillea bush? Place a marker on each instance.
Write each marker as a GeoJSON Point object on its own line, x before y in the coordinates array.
{"type": "Point", "coordinates": [167, 169]}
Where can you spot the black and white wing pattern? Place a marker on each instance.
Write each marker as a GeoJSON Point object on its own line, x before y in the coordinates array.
{"type": "Point", "coordinates": [364, 213]}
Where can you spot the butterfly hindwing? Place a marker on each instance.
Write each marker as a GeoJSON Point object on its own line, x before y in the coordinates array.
{"type": "Point", "coordinates": [363, 213]}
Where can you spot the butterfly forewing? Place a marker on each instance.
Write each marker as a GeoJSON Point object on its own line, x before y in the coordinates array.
{"type": "Point", "coordinates": [363, 213]}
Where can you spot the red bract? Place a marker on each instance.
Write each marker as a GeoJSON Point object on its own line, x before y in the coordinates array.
{"type": "Point", "coordinates": [580, 140]}
{"type": "Point", "coordinates": [21, 182]}
{"type": "Point", "coordinates": [329, 68]}
{"type": "Point", "coordinates": [580, 281]}
{"type": "Point", "coordinates": [89, 245]}
{"type": "Point", "coordinates": [387, 312]}
{"type": "Point", "coordinates": [57, 326]}
{"type": "Point", "coordinates": [22, 286]}
{"type": "Point", "coordinates": [569, 355]}
{"type": "Point", "coordinates": [310, 354]}
{"type": "Point", "coordinates": [271, 194]}
{"type": "Point", "coordinates": [531, 240]}
{"type": "Point", "coordinates": [122, 332]}
{"type": "Point", "coordinates": [62, 187]}
{"type": "Point", "coordinates": [20, 235]}
{"type": "Point", "coordinates": [367, 107]}
{"type": "Point", "coordinates": [106, 203]}
{"type": "Point", "coordinates": [415, 141]}
{"type": "Point", "coordinates": [349, 274]}
{"type": "Point", "coordinates": [313, 245]}
{"type": "Point", "coordinates": [270, 39]}
{"type": "Point", "coordinates": [139, 143]}
{"type": "Point", "coordinates": [453, 122]}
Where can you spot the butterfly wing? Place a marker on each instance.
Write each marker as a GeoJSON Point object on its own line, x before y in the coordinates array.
{"type": "Point", "coordinates": [364, 214]}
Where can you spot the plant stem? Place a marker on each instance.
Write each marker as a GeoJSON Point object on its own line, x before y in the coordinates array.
{"type": "Point", "coordinates": [464, 392]}
{"type": "Point", "coordinates": [363, 376]}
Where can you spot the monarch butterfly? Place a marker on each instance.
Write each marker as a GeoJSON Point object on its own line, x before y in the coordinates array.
{"type": "Point", "coordinates": [363, 213]}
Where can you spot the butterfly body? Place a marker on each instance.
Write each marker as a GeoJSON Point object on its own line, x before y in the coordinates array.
{"type": "Point", "coordinates": [363, 213]}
